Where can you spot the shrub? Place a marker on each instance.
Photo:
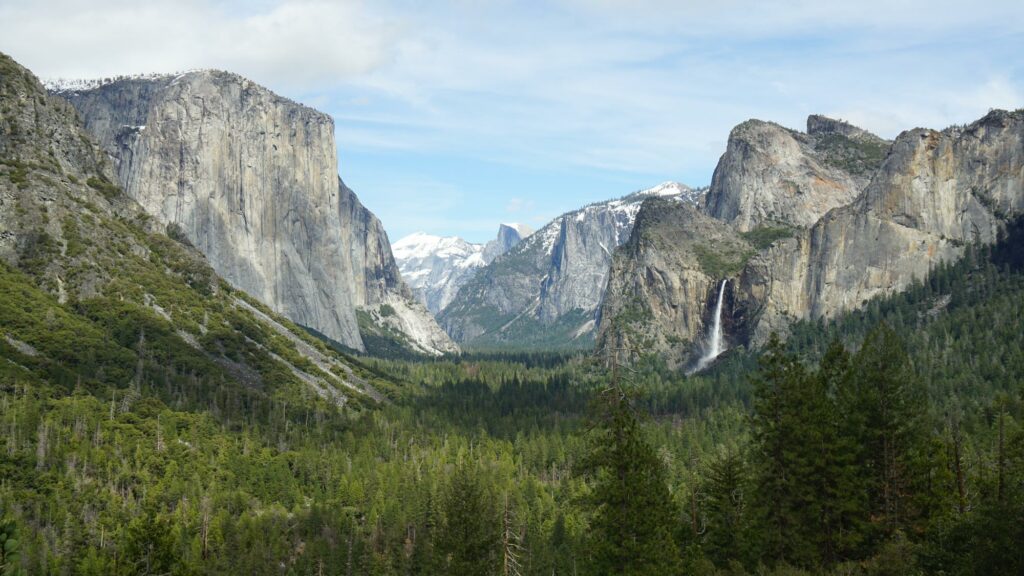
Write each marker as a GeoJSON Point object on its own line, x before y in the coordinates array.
{"type": "Point", "coordinates": [103, 186]}
{"type": "Point", "coordinates": [764, 236]}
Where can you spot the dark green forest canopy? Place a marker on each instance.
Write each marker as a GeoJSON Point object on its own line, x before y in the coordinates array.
{"type": "Point", "coordinates": [215, 485]}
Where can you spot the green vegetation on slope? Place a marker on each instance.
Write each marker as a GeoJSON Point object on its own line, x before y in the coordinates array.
{"type": "Point", "coordinates": [571, 331]}
{"type": "Point", "coordinates": [95, 490]}
{"type": "Point", "coordinates": [721, 261]}
{"type": "Point", "coordinates": [858, 156]}
{"type": "Point", "coordinates": [764, 236]}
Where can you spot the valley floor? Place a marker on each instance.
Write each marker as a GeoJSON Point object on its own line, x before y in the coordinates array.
{"type": "Point", "coordinates": [905, 455]}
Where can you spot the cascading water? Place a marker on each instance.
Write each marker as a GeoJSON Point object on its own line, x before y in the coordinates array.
{"type": "Point", "coordinates": [714, 347]}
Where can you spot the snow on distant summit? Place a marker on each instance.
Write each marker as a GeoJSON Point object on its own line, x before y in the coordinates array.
{"type": "Point", "coordinates": [622, 211]}
{"type": "Point", "coordinates": [546, 291]}
{"type": "Point", "coordinates": [435, 267]}
{"type": "Point", "coordinates": [422, 245]}
{"type": "Point", "coordinates": [59, 85]}
{"type": "Point", "coordinates": [683, 191]}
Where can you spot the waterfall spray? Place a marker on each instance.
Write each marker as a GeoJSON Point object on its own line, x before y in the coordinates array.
{"type": "Point", "coordinates": [714, 346]}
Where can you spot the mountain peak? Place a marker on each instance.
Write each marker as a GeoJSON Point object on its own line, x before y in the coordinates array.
{"type": "Point", "coordinates": [522, 230]}
{"type": "Point", "coordinates": [437, 266]}
{"type": "Point", "coordinates": [819, 125]}
{"type": "Point", "coordinates": [669, 188]}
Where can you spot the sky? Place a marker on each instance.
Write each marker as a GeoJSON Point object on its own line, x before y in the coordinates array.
{"type": "Point", "coordinates": [453, 116]}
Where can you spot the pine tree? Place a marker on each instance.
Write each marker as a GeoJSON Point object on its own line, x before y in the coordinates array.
{"type": "Point", "coordinates": [837, 485]}
{"type": "Point", "coordinates": [632, 526]}
{"type": "Point", "coordinates": [469, 541]}
{"type": "Point", "coordinates": [511, 547]}
{"type": "Point", "coordinates": [150, 544]}
{"type": "Point", "coordinates": [883, 410]}
{"type": "Point", "coordinates": [785, 505]}
{"type": "Point", "coordinates": [424, 559]}
{"type": "Point", "coordinates": [726, 503]}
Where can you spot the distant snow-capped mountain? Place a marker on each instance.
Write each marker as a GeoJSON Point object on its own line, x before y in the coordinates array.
{"type": "Point", "coordinates": [436, 266]}
{"type": "Point", "coordinates": [545, 292]}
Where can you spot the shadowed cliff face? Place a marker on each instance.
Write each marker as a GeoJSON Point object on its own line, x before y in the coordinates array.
{"type": "Point", "coordinates": [807, 255]}
{"type": "Point", "coordinates": [251, 179]}
{"type": "Point", "coordinates": [664, 281]}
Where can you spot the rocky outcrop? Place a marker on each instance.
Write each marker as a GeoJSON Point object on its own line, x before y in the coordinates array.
{"type": "Point", "coordinates": [386, 307]}
{"type": "Point", "coordinates": [664, 281]}
{"type": "Point", "coordinates": [436, 267]}
{"type": "Point", "coordinates": [135, 300]}
{"type": "Point", "coordinates": [770, 175]}
{"type": "Point", "coordinates": [933, 193]}
{"type": "Point", "coordinates": [509, 236]}
{"type": "Point", "coordinates": [47, 163]}
{"type": "Point", "coordinates": [545, 292]}
{"type": "Point", "coordinates": [250, 179]}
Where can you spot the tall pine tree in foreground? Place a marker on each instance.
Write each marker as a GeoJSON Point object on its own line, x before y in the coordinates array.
{"type": "Point", "coordinates": [884, 409]}
{"type": "Point", "coordinates": [837, 484]}
{"type": "Point", "coordinates": [810, 497]}
{"type": "Point", "coordinates": [631, 531]}
{"type": "Point", "coordinates": [783, 463]}
{"type": "Point", "coordinates": [469, 542]}
{"type": "Point", "coordinates": [726, 497]}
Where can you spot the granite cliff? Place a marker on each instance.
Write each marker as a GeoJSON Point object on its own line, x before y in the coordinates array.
{"type": "Point", "coordinates": [545, 292]}
{"type": "Point", "coordinates": [935, 192]}
{"type": "Point", "coordinates": [826, 223]}
{"type": "Point", "coordinates": [251, 180]}
{"type": "Point", "coordinates": [100, 298]}
{"type": "Point", "coordinates": [771, 175]}
{"type": "Point", "coordinates": [664, 280]}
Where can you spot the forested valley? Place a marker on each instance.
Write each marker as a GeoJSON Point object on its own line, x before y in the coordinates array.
{"type": "Point", "coordinates": [888, 441]}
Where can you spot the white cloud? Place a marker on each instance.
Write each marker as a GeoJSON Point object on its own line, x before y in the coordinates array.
{"type": "Point", "coordinates": [635, 88]}
{"type": "Point", "coordinates": [292, 45]}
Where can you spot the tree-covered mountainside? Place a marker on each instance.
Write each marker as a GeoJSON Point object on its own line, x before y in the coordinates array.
{"type": "Point", "coordinates": [155, 421]}
{"type": "Point", "coordinates": [93, 486]}
{"type": "Point", "coordinates": [98, 297]}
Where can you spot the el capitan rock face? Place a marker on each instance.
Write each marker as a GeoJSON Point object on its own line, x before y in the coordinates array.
{"type": "Point", "coordinates": [251, 179]}
{"type": "Point", "coordinates": [931, 194]}
{"type": "Point", "coordinates": [68, 230]}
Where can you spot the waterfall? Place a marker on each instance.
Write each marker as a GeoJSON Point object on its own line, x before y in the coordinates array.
{"type": "Point", "coordinates": [714, 346]}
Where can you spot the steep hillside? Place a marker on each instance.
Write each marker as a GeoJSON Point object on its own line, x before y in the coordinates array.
{"type": "Point", "coordinates": [98, 297]}
{"type": "Point", "coordinates": [546, 291]}
{"type": "Point", "coordinates": [251, 180]}
{"type": "Point", "coordinates": [664, 282]}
